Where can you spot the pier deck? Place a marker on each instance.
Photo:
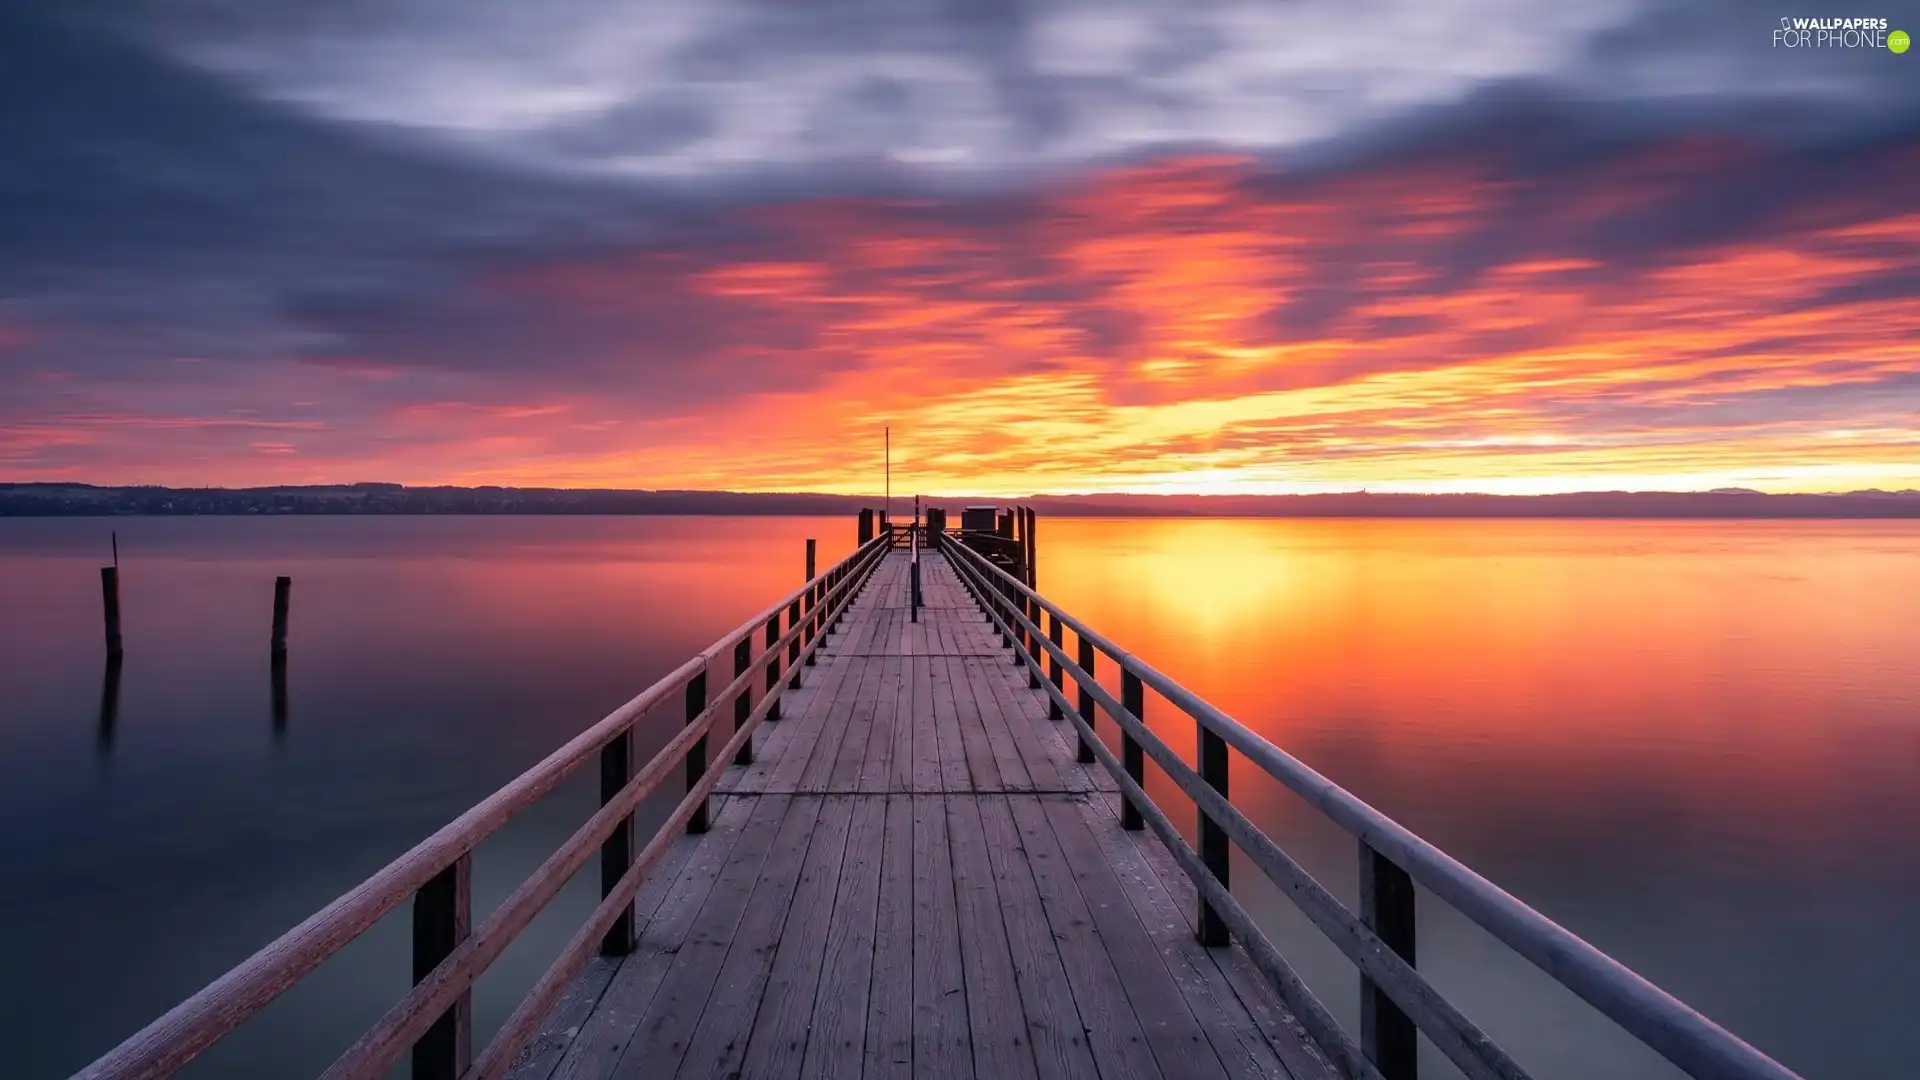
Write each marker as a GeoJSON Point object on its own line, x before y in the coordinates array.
{"type": "Point", "coordinates": [914, 878]}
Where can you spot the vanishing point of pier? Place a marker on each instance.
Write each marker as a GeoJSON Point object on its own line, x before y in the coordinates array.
{"type": "Point", "coordinates": [914, 841]}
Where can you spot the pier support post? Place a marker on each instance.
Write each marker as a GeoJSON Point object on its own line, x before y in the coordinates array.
{"type": "Point", "coordinates": [1387, 1035]}
{"type": "Point", "coordinates": [743, 701]}
{"type": "Point", "coordinates": [282, 586]}
{"type": "Point", "coordinates": [616, 851]}
{"type": "Point", "coordinates": [1213, 838]}
{"type": "Point", "coordinates": [1133, 699]}
{"type": "Point", "coordinates": [110, 600]}
{"type": "Point", "coordinates": [773, 665]}
{"type": "Point", "coordinates": [697, 753]}
{"type": "Point", "coordinates": [1054, 671]}
{"type": "Point", "coordinates": [1084, 754]}
{"type": "Point", "coordinates": [866, 525]}
{"type": "Point", "coordinates": [442, 919]}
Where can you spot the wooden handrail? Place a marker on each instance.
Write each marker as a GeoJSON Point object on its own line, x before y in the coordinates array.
{"type": "Point", "coordinates": [170, 1042]}
{"type": "Point", "coordinates": [1668, 1026]}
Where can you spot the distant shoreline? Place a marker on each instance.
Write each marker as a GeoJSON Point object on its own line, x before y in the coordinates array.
{"type": "Point", "coordinates": [85, 500]}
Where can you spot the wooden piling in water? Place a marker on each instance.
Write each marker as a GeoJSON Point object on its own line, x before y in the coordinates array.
{"type": "Point", "coordinates": [110, 600]}
{"type": "Point", "coordinates": [282, 587]}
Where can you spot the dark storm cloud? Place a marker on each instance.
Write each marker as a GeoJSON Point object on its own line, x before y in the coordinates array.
{"type": "Point", "coordinates": [258, 179]}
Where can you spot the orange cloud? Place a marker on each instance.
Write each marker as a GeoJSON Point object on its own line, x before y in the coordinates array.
{"type": "Point", "coordinates": [1199, 326]}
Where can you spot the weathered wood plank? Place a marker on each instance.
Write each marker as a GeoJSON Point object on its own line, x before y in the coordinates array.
{"type": "Point", "coordinates": [601, 1041]}
{"type": "Point", "coordinates": [1114, 1033]}
{"type": "Point", "coordinates": [826, 752]}
{"type": "Point", "coordinates": [942, 1047]}
{"type": "Point", "coordinates": [777, 1044]}
{"type": "Point", "coordinates": [668, 1024]}
{"type": "Point", "coordinates": [851, 754]}
{"type": "Point", "coordinates": [917, 686]}
{"type": "Point", "coordinates": [876, 767]}
{"type": "Point", "coordinates": [726, 1017]}
{"type": "Point", "coordinates": [970, 724]}
{"type": "Point", "coordinates": [956, 772]}
{"type": "Point", "coordinates": [1018, 760]}
{"type": "Point", "coordinates": [1243, 1048]}
{"type": "Point", "coordinates": [1059, 1038]}
{"type": "Point", "coordinates": [1178, 1043]}
{"type": "Point", "coordinates": [1284, 1033]}
{"type": "Point", "coordinates": [889, 1048]}
{"type": "Point", "coordinates": [996, 1019]}
{"type": "Point", "coordinates": [836, 1043]}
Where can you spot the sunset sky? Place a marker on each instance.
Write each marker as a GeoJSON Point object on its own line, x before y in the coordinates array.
{"type": "Point", "coordinates": [1058, 245]}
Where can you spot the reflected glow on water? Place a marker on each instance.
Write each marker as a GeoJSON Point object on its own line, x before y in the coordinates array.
{"type": "Point", "coordinates": [1695, 743]}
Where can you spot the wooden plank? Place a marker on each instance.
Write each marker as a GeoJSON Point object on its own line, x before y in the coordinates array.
{"type": "Point", "coordinates": [876, 766]}
{"type": "Point", "coordinates": [851, 754]}
{"type": "Point", "coordinates": [667, 1026]}
{"type": "Point", "coordinates": [601, 1041]}
{"type": "Point", "coordinates": [1018, 763]}
{"type": "Point", "coordinates": [797, 757]}
{"type": "Point", "coordinates": [917, 693]}
{"type": "Point", "coordinates": [955, 771]}
{"type": "Point", "coordinates": [942, 1046]}
{"type": "Point", "coordinates": [908, 743]}
{"type": "Point", "coordinates": [1059, 1038]}
{"type": "Point", "coordinates": [996, 1019]}
{"type": "Point", "coordinates": [826, 751]}
{"type": "Point", "coordinates": [1114, 1033]}
{"type": "Point", "coordinates": [889, 1048]}
{"type": "Point", "coordinates": [541, 1056]}
{"type": "Point", "coordinates": [982, 750]}
{"type": "Point", "coordinates": [1178, 1042]}
{"type": "Point", "coordinates": [1243, 1048]}
{"type": "Point", "coordinates": [728, 1013]}
{"type": "Point", "coordinates": [768, 986]}
{"type": "Point", "coordinates": [837, 1042]}
{"type": "Point", "coordinates": [1283, 1032]}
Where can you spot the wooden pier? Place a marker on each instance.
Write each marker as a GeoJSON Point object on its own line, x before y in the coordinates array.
{"type": "Point", "coordinates": [915, 879]}
{"type": "Point", "coordinates": [916, 852]}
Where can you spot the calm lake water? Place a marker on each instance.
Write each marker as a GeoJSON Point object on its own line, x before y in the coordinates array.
{"type": "Point", "coordinates": [1695, 744]}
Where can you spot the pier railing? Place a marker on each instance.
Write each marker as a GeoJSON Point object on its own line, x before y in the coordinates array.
{"type": "Point", "coordinates": [1396, 999]}
{"type": "Point", "coordinates": [449, 953]}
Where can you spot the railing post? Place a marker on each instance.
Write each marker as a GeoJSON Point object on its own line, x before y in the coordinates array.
{"type": "Point", "coordinates": [812, 599]}
{"type": "Point", "coordinates": [1053, 665]}
{"type": "Point", "coordinates": [773, 665]}
{"type": "Point", "coordinates": [743, 701]}
{"type": "Point", "coordinates": [442, 919]}
{"type": "Point", "coordinates": [1213, 838]}
{"type": "Point", "coordinates": [1033, 642]}
{"type": "Point", "coordinates": [1085, 753]}
{"type": "Point", "coordinates": [616, 851]}
{"type": "Point", "coordinates": [1133, 698]}
{"type": "Point", "coordinates": [697, 753]}
{"type": "Point", "coordinates": [1387, 1035]}
{"type": "Point", "coordinates": [793, 647]}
